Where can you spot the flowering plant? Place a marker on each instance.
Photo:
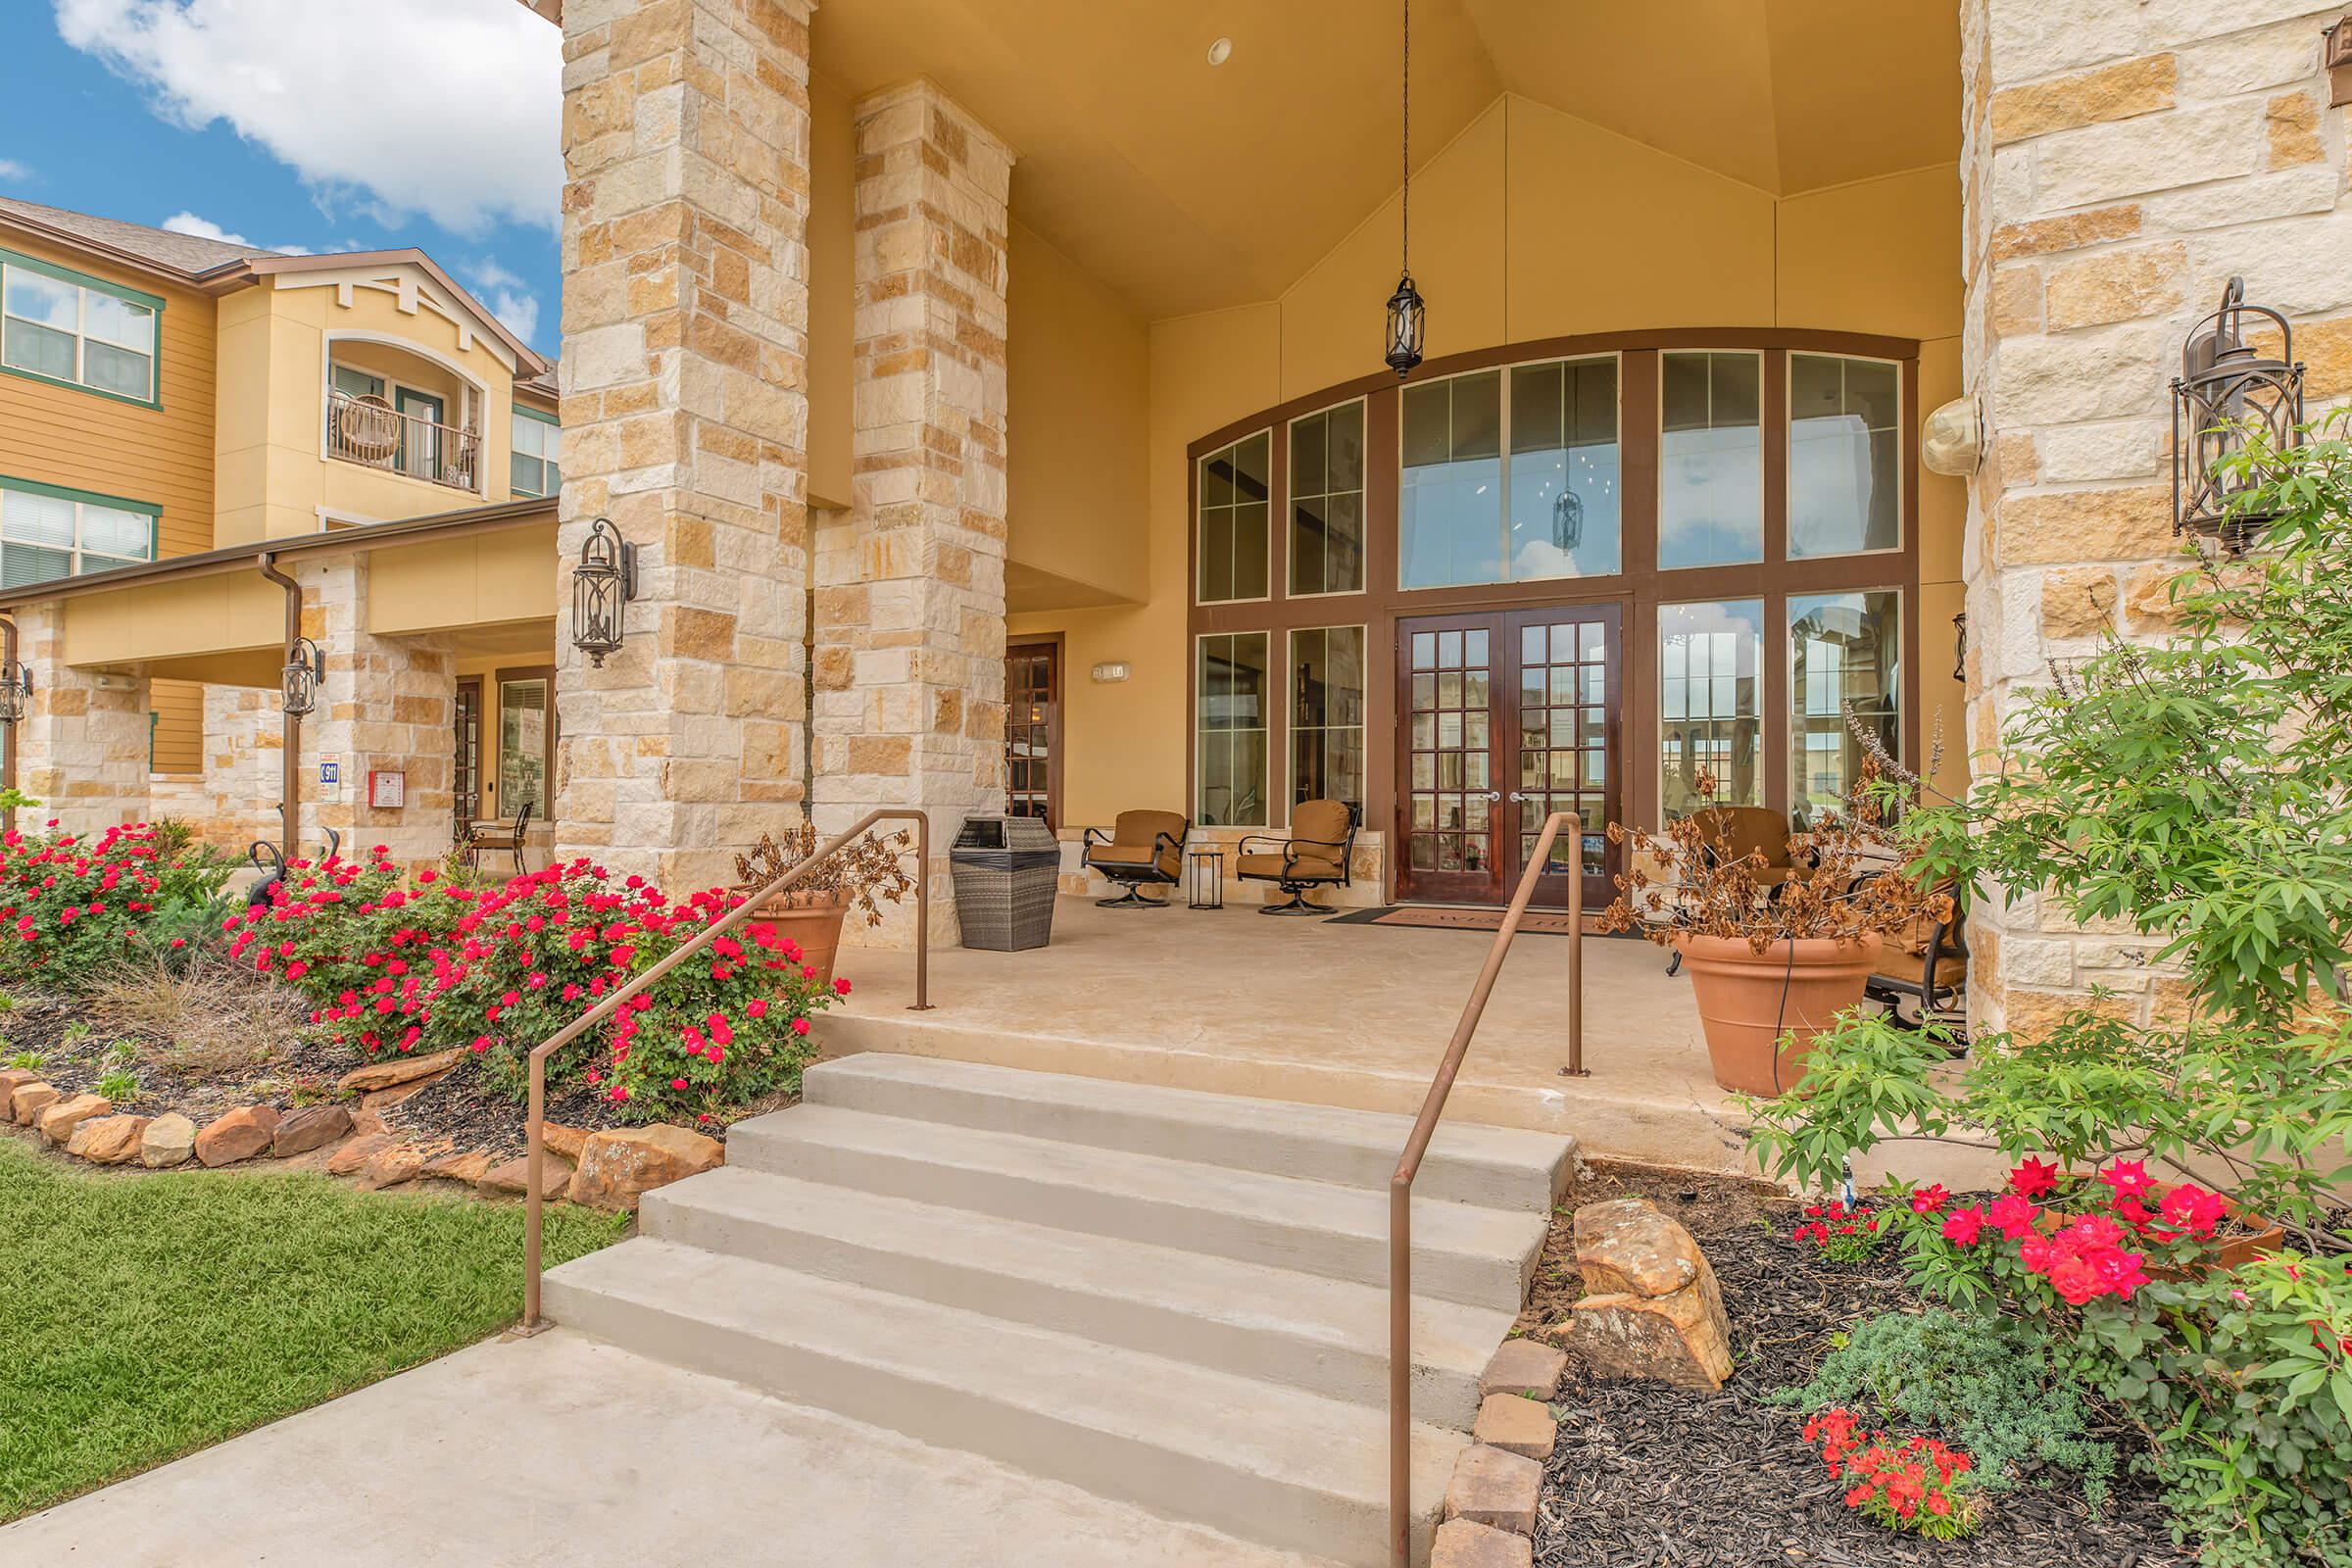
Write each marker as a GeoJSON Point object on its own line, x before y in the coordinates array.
{"type": "Point", "coordinates": [1845, 1234]}
{"type": "Point", "coordinates": [1918, 1484]}
{"type": "Point", "coordinates": [397, 967]}
{"type": "Point", "coordinates": [858, 871]}
{"type": "Point", "coordinates": [73, 909]}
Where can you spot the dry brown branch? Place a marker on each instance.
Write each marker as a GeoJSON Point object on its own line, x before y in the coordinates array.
{"type": "Point", "coordinates": [865, 868]}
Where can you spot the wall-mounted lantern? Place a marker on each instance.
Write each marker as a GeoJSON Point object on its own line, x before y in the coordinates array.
{"type": "Point", "coordinates": [16, 692]}
{"type": "Point", "coordinates": [2335, 53]}
{"type": "Point", "coordinates": [2231, 398]}
{"type": "Point", "coordinates": [298, 684]}
{"type": "Point", "coordinates": [1960, 648]}
{"type": "Point", "coordinates": [602, 585]}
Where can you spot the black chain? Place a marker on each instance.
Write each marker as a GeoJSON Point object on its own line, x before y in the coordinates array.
{"type": "Point", "coordinates": [1405, 155]}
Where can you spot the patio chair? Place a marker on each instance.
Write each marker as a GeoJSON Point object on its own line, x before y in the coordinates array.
{"type": "Point", "coordinates": [1927, 965]}
{"type": "Point", "coordinates": [1741, 831]}
{"type": "Point", "coordinates": [1322, 841]}
{"type": "Point", "coordinates": [507, 838]}
{"type": "Point", "coordinates": [1143, 849]}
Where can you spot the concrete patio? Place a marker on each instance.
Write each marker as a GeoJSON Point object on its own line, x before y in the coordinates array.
{"type": "Point", "coordinates": [1325, 1014]}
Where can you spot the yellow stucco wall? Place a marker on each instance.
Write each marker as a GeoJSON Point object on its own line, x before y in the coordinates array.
{"type": "Point", "coordinates": [468, 580]}
{"type": "Point", "coordinates": [1528, 225]}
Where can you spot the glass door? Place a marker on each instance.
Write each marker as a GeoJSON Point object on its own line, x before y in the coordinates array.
{"type": "Point", "coordinates": [1033, 730]}
{"type": "Point", "coordinates": [1569, 678]}
{"type": "Point", "coordinates": [1448, 760]}
{"type": "Point", "coordinates": [468, 776]}
{"type": "Point", "coordinates": [421, 432]}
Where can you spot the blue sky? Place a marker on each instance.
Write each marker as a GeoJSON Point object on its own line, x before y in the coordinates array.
{"type": "Point", "coordinates": [318, 124]}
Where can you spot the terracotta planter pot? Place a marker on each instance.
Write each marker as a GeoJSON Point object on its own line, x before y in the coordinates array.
{"type": "Point", "coordinates": [2249, 1237]}
{"type": "Point", "coordinates": [813, 922]}
{"type": "Point", "coordinates": [1744, 1010]}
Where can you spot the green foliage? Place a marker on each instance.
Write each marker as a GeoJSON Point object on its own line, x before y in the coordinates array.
{"type": "Point", "coordinates": [74, 911]}
{"type": "Point", "coordinates": [30, 1060]}
{"type": "Point", "coordinates": [1991, 1384]}
{"type": "Point", "coordinates": [118, 1085]}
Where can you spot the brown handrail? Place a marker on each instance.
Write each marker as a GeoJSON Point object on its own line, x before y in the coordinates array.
{"type": "Point", "coordinates": [746, 911]}
{"type": "Point", "coordinates": [1424, 1126]}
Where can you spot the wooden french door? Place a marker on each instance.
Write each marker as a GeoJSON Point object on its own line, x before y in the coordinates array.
{"type": "Point", "coordinates": [1033, 731]}
{"type": "Point", "coordinates": [468, 754]}
{"type": "Point", "coordinates": [1506, 717]}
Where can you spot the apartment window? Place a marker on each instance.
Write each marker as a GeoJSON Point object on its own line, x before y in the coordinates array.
{"type": "Point", "coordinates": [48, 532]}
{"type": "Point", "coordinates": [81, 332]}
{"type": "Point", "coordinates": [1711, 712]}
{"type": "Point", "coordinates": [1232, 699]}
{"type": "Point", "coordinates": [356, 383]}
{"type": "Point", "coordinates": [1844, 648]}
{"type": "Point", "coordinates": [1710, 459]}
{"type": "Point", "coordinates": [535, 468]}
{"type": "Point", "coordinates": [527, 733]}
{"type": "Point", "coordinates": [1845, 464]}
{"type": "Point", "coordinates": [1235, 497]}
{"type": "Point", "coordinates": [1327, 715]}
{"type": "Point", "coordinates": [1327, 501]}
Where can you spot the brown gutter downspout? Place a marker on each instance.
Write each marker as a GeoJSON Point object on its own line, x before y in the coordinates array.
{"type": "Point", "coordinates": [8, 742]}
{"type": "Point", "coordinates": [291, 788]}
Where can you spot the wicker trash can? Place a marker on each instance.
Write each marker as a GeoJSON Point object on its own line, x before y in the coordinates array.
{"type": "Point", "coordinates": [1006, 869]}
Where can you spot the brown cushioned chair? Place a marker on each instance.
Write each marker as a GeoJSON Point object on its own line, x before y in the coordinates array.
{"type": "Point", "coordinates": [1927, 965]}
{"type": "Point", "coordinates": [1315, 855]}
{"type": "Point", "coordinates": [1741, 831]}
{"type": "Point", "coordinates": [1143, 849]}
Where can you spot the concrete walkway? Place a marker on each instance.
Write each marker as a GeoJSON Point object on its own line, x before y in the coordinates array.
{"type": "Point", "coordinates": [562, 1451]}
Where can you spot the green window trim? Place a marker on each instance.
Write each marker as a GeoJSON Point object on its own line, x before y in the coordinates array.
{"type": "Point", "coordinates": [541, 463]}
{"type": "Point", "coordinates": [57, 492]}
{"type": "Point", "coordinates": [122, 291]}
{"type": "Point", "coordinates": [534, 413]}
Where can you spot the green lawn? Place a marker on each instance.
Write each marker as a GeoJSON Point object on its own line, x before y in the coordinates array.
{"type": "Point", "coordinates": [145, 1316]}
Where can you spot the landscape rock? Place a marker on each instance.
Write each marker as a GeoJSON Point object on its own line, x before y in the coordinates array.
{"type": "Point", "coordinates": [1625, 1246]}
{"type": "Point", "coordinates": [168, 1140]}
{"type": "Point", "coordinates": [1464, 1545]}
{"type": "Point", "coordinates": [563, 1140]}
{"type": "Point", "coordinates": [391, 1165]}
{"type": "Point", "coordinates": [57, 1122]}
{"type": "Point", "coordinates": [397, 1070]}
{"type": "Point", "coordinates": [365, 1123]}
{"type": "Point", "coordinates": [26, 1101]}
{"type": "Point", "coordinates": [311, 1127]}
{"type": "Point", "coordinates": [1516, 1425]}
{"type": "Point", "coordinates": [348, 1160]}
{"type": "Point", "coordinates": [513, 1178]}
{"type": "Point", "coordinates": [240, 1135]}
{"type": "Point", "coordinates": [382, 1100]}
{"type": "Point", "coordinates": [469, 1167]}
{"type": "Point", "coordinates": [619, 1166]}
{"type": "Point", "coordinates": [1525, 1366]}
{"type": "Point", "coordinates": [107, 1140]}
{"type": "Point", "coordinates": [13, 1079]}
{"type": "Point", "coordinates": [1495, 1489]}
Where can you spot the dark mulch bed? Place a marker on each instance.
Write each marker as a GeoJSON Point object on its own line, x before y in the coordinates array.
{"type": "Point", "coordinates": [1649, 1475]}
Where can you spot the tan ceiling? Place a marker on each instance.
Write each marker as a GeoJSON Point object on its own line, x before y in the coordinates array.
{"type": "Point", "coordinates": [1188, 187]}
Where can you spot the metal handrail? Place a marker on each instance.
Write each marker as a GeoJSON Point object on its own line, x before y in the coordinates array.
{"type": "Point", "coordinates": [741, 915]}
{"type": "Point", "coordinates": [1424, 1126]}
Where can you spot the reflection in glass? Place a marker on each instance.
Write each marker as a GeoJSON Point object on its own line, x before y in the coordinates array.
{"type": "Point", "coordinates": [1710, 710]}
{"type": "Point", "coordinates": [1843, 648]}
{"type": "Point", "coordinates": [1235, 491]}
{"type": "Point", "coordinates": [522, 745]}
{"type": "Point", "coordinates": [1845, 471]}
{"type": "Point", "coordinates": [1327, 501]}
{"type": "Point", "coordinates": [1327, 715]}
{"type": "Point", "coordinates": [1450, 513]}
{"type": "Point", "coordinates": [1563, 478]}
{"type": "Point", "coordinates": [1711, 461]}
{"type": "Point", "coordinates": [1231, 746]}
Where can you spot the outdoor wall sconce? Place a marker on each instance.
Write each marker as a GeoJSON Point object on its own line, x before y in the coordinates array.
{"type": "Point", "coordinates": [2227, 400]}
{"type": "Point", "coordinates": [2335, 53]}
{"type": "Point", "coordinates": [1953, 441]}
{"type": "Point", "coordinates": [601, 586]}
{"type": "Point", "coordinates": [1407, 313]}
{"type": "Point", "coordinates": [1960, 648]}
{"type": "Point", "coordinates": [298, 684]}
{"type": "Point", "coordinates": [16, 692]}
{"type": "Point", "coordinates": [1111, 672]}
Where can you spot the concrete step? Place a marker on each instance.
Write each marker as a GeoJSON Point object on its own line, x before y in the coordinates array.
{"type": "Point", "coordinates": [1261, 1461]}
{"type": "Point", "coordinates": [1325, 1336]}
{"type": "Point", "coordinates": [1473, 1255]}
{"type": "Point", "coordinates": [1500, 1167]}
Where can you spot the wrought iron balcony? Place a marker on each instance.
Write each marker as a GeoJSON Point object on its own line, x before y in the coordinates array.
{"type": "Point", "coordinates": [370, 432]}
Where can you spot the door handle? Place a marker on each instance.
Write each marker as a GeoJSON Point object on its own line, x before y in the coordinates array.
{"type": "Point", "coordinates": [1497, 794]}
{"type": "Point", "coordinates": [1516, 796]}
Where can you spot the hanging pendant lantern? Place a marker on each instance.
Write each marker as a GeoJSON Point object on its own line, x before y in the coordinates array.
{"type": "Point", "coordinates": [2230, 400]}
{"type": "Point", "coordinates": [298, 684]}
{"type": "Point", "coordinates": [16, 692]}
{"type": "Point", "coordinates": [602, 585]}
{"type": "Point", "coordinates": [1407, 312]}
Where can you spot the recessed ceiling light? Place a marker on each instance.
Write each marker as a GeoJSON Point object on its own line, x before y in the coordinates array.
{"type": "Point", "coordinates": [1220, 51]}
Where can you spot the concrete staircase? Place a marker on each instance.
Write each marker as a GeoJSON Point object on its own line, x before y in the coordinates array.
{"type": "Point", "coordinates": [1171, 1298]}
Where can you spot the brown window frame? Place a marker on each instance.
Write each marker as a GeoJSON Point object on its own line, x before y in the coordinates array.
{"type": "Point", "coordinates": [491, 742]}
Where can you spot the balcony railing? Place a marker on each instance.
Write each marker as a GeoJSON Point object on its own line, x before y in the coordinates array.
{"type": "Point", "coordinates": [372, 433]}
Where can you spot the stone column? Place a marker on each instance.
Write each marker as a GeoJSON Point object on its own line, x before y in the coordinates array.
{"type": "Point", "coordinates": [82, 747]}
{"type": "Point", "coordinates": [388, 705]}
{"type": "Point", "coordinates": [910, 636]}
{"type": "Point", "coordinates": [2122, 160]}
{"type": "Point", "coordinates": [685, 421]}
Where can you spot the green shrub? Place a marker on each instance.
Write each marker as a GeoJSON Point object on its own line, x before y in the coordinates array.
{"type": "Point", "coordinates": [1988, 1384]}
{"type": "Point", "coordinates": [118, 1084]}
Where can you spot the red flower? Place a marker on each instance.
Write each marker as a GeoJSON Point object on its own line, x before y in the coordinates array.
{"type": "Point", "coordinates": [1929, 1200]}
{"type": "Point", "coordinates": [2032, 1178]}
{"type": "Point", "coordinates": [1964, 1226]}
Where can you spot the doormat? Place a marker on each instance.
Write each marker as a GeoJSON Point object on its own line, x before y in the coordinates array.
{"type": "Point", "coordinates": [1538, 922]}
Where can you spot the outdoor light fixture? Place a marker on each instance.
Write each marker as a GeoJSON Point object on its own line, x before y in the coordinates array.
{"type": "Point", "coordinates": [2335, 53]}
{"type": "Point", "coordinates": [16, 692]}
{"type": "Point", "coordinates": [1407, 313]}
{"type": "Point", "coordinates": [602, 585]}
{"type": "Point", "coordinates": [2230, 399]}
{"type": "Point", "coordinates": [298, 682]}
{"type": "Point", "coordinates": [1960, 648]}
{"type": "Point", "coordinates": [1953, 441]}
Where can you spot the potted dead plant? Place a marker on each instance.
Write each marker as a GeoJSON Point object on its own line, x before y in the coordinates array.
{"type": "Point", "coordinates": [810, 913]}
{"type": "Point", "coordinates": [1774, 953]}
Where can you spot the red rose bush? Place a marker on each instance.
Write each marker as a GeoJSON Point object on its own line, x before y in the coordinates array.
{"type": "Point", "coordinates": [73, 909]}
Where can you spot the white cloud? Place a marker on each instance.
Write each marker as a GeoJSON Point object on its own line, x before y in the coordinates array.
{"type": "Point", "coordinates": [507, 297]}
{"type": "Point", "coordinates": [206, 228]}
{"type": "Point", "coordinates": [10, 168]}
{"type": "Point", "coordinates": [448, 108]}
